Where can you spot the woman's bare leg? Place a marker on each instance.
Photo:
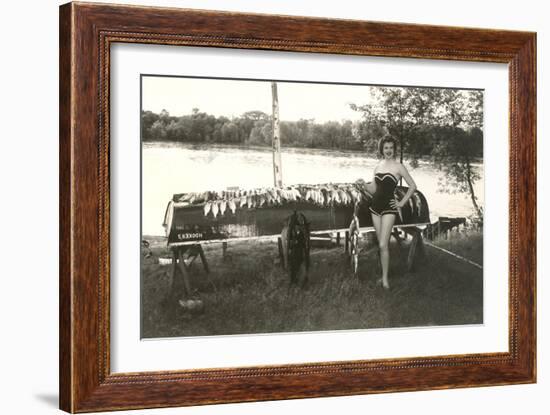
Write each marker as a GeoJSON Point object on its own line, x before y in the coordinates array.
{"type": "Point", "coordinates": [377, 223]}
{"type": "Point", "coordinates": [386, 225]}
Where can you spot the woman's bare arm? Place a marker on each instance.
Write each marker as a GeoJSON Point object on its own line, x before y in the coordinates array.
{"type": "Point", "coordinates": [412, 186]}
{"type": "Point", "coordinates": [370, 186]}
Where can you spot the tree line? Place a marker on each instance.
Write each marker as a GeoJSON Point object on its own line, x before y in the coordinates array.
{"type": "Point", "coordinates": [402, 115]}
{"type": "Point", "coordinates": [251, 128]}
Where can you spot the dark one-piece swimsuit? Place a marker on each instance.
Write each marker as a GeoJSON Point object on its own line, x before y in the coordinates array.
{"type": "Point", "coordinates": [385, 186]}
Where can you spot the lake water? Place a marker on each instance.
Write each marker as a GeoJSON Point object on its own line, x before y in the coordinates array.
{"type": "Point", "coordinates": [170, 168]}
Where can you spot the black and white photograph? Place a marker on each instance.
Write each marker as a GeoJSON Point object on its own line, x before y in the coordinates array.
{"type": "Point", "coordinates": [291, 206]}
{"type": "Point", "coordinates": [275, 207]}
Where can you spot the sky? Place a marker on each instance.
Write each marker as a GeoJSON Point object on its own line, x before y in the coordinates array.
{"type": "Point", "coordinates": [322, 102]}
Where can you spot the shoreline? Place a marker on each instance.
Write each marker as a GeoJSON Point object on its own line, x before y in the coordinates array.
{"type": "Point", "coordinates": [288, 149]}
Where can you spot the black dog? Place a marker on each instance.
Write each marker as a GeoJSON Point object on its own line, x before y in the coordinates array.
{"type": "Point", "coordinates": [296, 241]}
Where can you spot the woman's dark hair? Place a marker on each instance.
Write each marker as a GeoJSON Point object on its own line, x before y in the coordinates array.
{"type": "Point", "coordinates": [387, 139]}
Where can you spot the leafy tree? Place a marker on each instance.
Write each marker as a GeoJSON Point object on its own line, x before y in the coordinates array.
{"type": "Point", "coordinates": [164, 117]}
{"type": "Point", "coordinates": [370, 130]}
{"type": "Point", "coordinates": [246, 122]}
{"type": "Point", "coordinates": [444, 124]}
{"type": "Point", "coordinates": [148, 118]}
{"type": "Point", "coordinates": [230, 133]}
{"type": "Point", "coordinates": [461, 141]}
{"type": "Point", "coordinates": [158, 131]}
{"type": "Point", "coordinates": [398, 112]}
{"type": "Point", "coordinates": [261, 133]}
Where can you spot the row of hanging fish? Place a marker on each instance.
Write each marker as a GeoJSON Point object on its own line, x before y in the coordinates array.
{"type": "Point", "coordinates": [218, 203]}
{"type": "Point", "coordinates": [414, 203]}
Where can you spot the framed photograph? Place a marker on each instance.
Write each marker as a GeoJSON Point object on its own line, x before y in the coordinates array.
{"type": "Point", "coordinates": [258, 207]}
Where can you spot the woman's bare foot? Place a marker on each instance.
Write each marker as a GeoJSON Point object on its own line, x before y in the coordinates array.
{"type": "Point", "coordinates": [384, 284]}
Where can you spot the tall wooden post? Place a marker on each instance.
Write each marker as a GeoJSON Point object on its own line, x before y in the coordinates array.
{"type": "Point", "coordinates": [276, 141]}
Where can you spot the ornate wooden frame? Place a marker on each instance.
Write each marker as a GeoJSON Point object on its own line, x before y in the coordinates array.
{"type": "Point", "coordinates": [86, 33]}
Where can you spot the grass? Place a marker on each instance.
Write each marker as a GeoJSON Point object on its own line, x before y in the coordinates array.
{"type": "Point", "coordinates": [465, 243]}
{"type": "Point", "coordinates": [248, 292]}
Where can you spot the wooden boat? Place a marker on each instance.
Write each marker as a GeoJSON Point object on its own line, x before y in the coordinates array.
{"type": "Point", "coordinates": [186, 223]}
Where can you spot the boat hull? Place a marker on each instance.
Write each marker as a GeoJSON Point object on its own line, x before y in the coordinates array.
{"type": "Point", "coordinates": [187, 223]}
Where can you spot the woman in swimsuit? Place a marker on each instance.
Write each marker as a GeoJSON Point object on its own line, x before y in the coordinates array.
{"type": "Point", "coordinates": [384, 207]}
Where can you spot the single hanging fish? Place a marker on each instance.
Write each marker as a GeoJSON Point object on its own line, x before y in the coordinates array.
{"type": "Point", "coordinates": [290, 194]}
{"type": "Point", "coordinates": [207, 208]}
{"type": "Point", "coordinates": [276, 197]}
{"type": "Point", "coordinates": [417, 202]}
{"type": "Point", "coordinates": [356, 195]}
{"type": "Point", "coordinates": [342, 195]}
{"type": "Point", "coordinates": [328, 196]}
{"type": "Point", "coordinates": [315, 195]}
{"type": "Point", "coordinates": [215, 209]}
{"type": "Point", "coordinates": [335, 196]}
{"type": "Point", "coordinates": [411, 204]}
